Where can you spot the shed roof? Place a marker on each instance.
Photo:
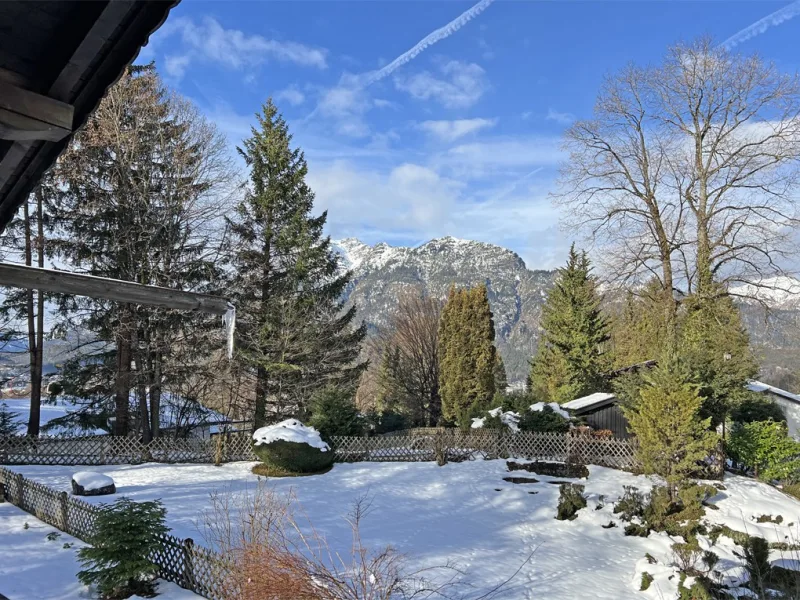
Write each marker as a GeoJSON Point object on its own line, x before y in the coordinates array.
{"type": "Point", "coordinates": [590, 402]}
{"type": "Point", "coordinates": [762, 388]}
{"type": "Point", "coordinates": [57, 59]}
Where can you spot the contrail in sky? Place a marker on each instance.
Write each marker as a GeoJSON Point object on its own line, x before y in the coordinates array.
{"type": "Point", "coordinates": [426, 42]}
{"type": "Point", "coordinates": [760, 26]}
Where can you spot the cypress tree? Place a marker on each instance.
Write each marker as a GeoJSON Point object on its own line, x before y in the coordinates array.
{"type": "Point", "coordinates": [467, 354]}
{"type": "Point", "coordinates": [500, 377]}
{"type": "Point", "coordinates": [571, 360]}
{"type": "Point", "coordinates": [293, 333]}
{"type": "Point", "coordinates": [666, 420]}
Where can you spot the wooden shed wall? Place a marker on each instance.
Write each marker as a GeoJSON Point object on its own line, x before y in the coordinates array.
{"type": "Point", "coordinates": [609, 417]}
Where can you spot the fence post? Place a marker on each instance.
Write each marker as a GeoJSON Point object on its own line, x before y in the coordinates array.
{"type": "Point", "coordinates": [20, 495]}
{"type": "Point", "coordinates": [188, 564]}
{"type": "Point", "coordinates": [568, 457]}
{"type": "Point", "coordinates": [63, 508]}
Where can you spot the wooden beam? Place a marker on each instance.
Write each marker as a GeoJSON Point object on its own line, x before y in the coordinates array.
{"type": "Point", "coordinates": [26, 115]}
{"type": "Point", "coordinates": [63, 282]}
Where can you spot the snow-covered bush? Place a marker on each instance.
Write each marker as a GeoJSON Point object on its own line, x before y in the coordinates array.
{"type": "Point", "coordinates": [293, 447]}
{"type": "Point", "coordinates": [497, 419]}
{"type": "Point", "coordinates": [545, 418]}
{"type": "Point", "coordinates": [126, 534]}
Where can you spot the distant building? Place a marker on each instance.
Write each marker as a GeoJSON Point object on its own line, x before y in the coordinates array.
{"type": "Point", "coordinates": [600, 411]}
{"type": "Point", "coordinates": [789, 403]}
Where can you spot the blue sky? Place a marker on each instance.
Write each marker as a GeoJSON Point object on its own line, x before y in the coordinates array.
{"type": "Point", "coordinates": [460, 136]}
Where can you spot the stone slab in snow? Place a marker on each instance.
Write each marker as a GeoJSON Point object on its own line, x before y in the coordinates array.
{"type": "Point", "coordinates": [90, 483]}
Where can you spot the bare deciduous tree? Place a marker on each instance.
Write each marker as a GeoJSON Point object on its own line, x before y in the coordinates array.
{"type": "Point", "coordinates": [687, 170]}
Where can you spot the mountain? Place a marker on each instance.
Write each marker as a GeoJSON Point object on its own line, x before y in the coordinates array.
{"type": "Point", "coordinates": [381, 273]}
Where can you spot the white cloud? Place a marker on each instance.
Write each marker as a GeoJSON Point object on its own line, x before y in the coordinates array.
{"type": "Point", "coordinates": [346, 105]}
{"type": "Point", "coordinates": [176, 66]}
{"type": "Point", "coordinates": [500, 157]}
{"type": "Point", "coordinates": [449, 131]}
{"type": "Point", "coordinates": [232, 48]}
{"type": "Point", "coordinates": [562, 118]}
{"type": "Point", "coordinates": [291, 95]}
{"type": "Point", "coordinates": [458, 84]}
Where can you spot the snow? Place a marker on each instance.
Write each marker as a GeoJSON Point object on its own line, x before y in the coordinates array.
{"type": "Point", "coordinates": [587, 401]}
{"type": "Point", "coordinates": [454, 513]}
{"type": "Point", "coordinates": [91, 480]}
{"type": "Point", "coordinates": [290, 430]}
{"type": "Point", "coordinates": [509, 419]}
{"type": "Point", "coordinates": [776, 292]}
{"type": "Point", "coordinates": [35, 567]}
{"type": "Point", "coordinates": [539, 407]}
{"type": "Point", "coordinates": [22, 407]}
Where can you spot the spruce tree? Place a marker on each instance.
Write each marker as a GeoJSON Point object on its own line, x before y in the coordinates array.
{"type": "Point", "coordinates": [9, 423]}
{"type": "Point", "coordinates": [571, 359]}
{"type": "Point", "coordinates": [673, 438]}
{"type": "Point", "coordinates": [293, 332]}
{"type": "Point", "coordinates": [155, 174]}
{"type": "Point", "coordinates": [467, 355]}
{"type": "Point", "coordinates": [715, 345]}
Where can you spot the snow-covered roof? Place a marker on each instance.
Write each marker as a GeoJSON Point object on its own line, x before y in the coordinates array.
{"type": "Point", "coordinates": [588, 401]}
{"type": "Point", "coordinates": [554, 406]}
{"type": "Point", "coordinates": [761, 387]}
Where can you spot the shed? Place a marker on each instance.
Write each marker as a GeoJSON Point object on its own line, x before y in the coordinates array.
{"type": "Point", "coordinates": [601, 411]}
{"type": "Point", "coordinates": [789, 403]}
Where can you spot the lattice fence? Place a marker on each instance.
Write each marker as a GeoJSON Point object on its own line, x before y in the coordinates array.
{"type": "Point", "coordinates": [110, 450]}
{"type": "Point", "coordinates": [455, 445]}
{"type": "Point", "coordinates": [192, 567]}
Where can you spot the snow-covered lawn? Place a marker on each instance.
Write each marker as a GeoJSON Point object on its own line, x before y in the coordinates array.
{"type": "Point", "coordinates": [35, 568]}
{"type": "Point", "coordinates": [465, 513]}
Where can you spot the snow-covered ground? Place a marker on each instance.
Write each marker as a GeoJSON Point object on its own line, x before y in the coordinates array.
{"type": "Point", "coordinates": [35, 568]}
{"type": "Point", "coordinates": [465, 513]}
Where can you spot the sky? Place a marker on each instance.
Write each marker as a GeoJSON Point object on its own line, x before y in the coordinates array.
{"type": "Point", "coordinates": [421, 119]}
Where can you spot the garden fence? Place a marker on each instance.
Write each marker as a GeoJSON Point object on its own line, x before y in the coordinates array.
{"type": "Point", "coordinates": [181, 561]}
{"type": "Point", "coordinates": [415, 446]}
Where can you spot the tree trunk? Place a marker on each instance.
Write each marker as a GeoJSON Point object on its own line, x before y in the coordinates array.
{"type": "Point", "coordinates": [35, 318]}
{"type": "Point", "coordinates": [155, 397]}
{"type": "Point", "coordinates": [122, 383]}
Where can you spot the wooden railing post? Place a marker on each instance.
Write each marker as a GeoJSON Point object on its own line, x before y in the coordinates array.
{"type": "Point", "coordinates": [188, 564]}
{"type": "Point", "coordinates": [20, 481]}
{"type": "Point", "coordinates": [63, 512]}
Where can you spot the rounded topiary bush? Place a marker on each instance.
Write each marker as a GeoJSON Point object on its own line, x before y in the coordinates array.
{"type": "Point", "coordinates": [291, 446]}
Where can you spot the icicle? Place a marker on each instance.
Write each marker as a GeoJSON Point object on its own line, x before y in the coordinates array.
{"type": "Point", "coordinates": [229, 321]}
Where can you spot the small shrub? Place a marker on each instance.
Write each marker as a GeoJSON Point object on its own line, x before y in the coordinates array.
{"type": "Point", "coordinates": [686, 555]}
{"type": "Point", "coordinates": [756, 562]}
{"type": "Point", "coordinates": [385, 421]}
{"type": "Point", "coordinates": [710, 560]}
{"type": "Point", "coordinates": [650, 558]}
{"type": "Point", "coordinates": [769, 519]}
{"type": "Point", "coordinates": [647, 579]}
{"type": "Point", "coordinates": [570, 501]}
{"type": "Point", "coordinates": [126, 534]}
{"type": "Point", "coordinates": [333, 412]}
{"type": "Point", "coordinates": [699, 590]}
{"type": "Point", "coordinates": [766, 448]}
{"type": "Point", "coordinates": [631, 504]}
{"type": "Point", "coordinates": [793, 489]}
{"type": "Point", "coordinates": [739, 538]}
{"type": "Point", "coordinates": [784, 546]}
{"type": "Point", "coordinates": [634, 529]}
{"type": "Point", "coordinates": [53, 536]}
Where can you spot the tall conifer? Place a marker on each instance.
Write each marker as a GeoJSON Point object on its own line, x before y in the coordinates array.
{"type": "Point", "coordinates": [293, 332]}
{"type": "Point", "coordinates": [467, 354]}
{"type": "Point", "coordinates": [571, 358]}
